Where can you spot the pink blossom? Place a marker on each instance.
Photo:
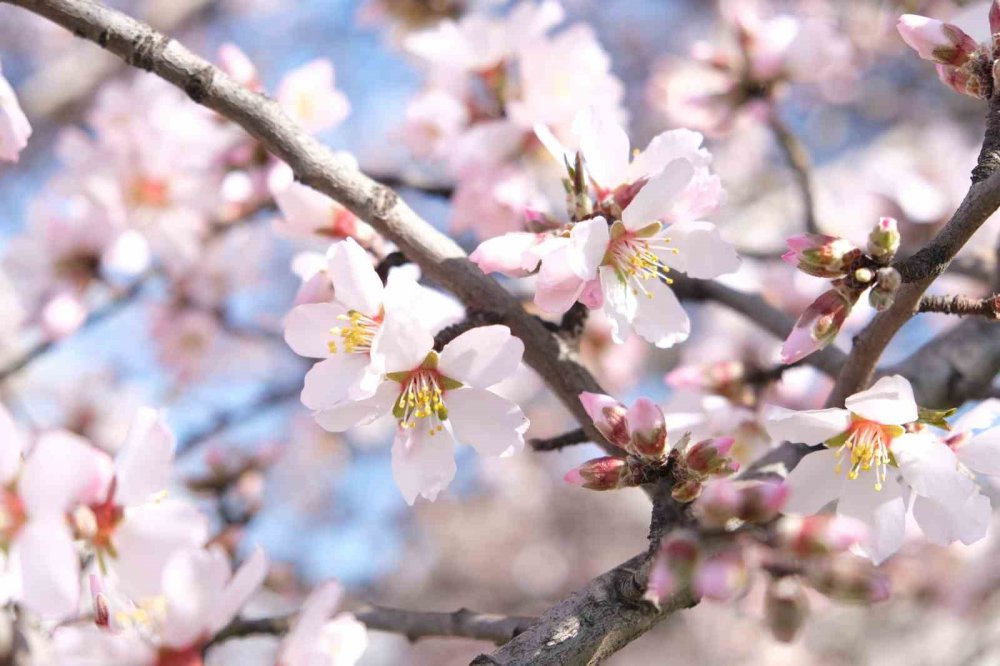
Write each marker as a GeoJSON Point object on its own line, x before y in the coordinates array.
{"type": "Point", "coordinates": [14, 127]}
{"type": "Point", "coordinates": [939, 42]}
{"type": "Point", "coordinates": [308, 95]}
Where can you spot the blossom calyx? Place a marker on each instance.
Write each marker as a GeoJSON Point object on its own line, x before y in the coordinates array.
{"type": "Point", "coordinates": [820, 255]}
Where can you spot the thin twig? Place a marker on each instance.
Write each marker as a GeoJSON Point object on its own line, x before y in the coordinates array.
{"type": "Point", "coordinates": [798, 160]}
{"type": "Point", "coordinates": [558, 442]}
{"type": "Point", "coordinates": [222, 421]}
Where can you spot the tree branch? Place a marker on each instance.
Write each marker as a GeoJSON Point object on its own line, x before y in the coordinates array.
{"type": "Point", "coordinates": [798, 160]}
{"type": "Point", "coordinates": [440, 258]}
{"type": "Point", "coordinates": [962, 306]}
{"type": "Point", "coordinates": [558, 442]}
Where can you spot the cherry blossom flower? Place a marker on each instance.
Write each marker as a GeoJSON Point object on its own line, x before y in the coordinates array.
{"type": "Point", "coordinates": [438, 399]}
{"type": "Point", "coordinates": [307, 213]}
{"type": "Point", "coordinates": [14, 127]}
{"type": "Point", "coordinates": [347, 333]}
{"type": "Point", "coordinates": [315, 639]}
{"type": "Point", "coordinates": [308, 95]}
{"type": "Point", "coordinates": [871, 467]}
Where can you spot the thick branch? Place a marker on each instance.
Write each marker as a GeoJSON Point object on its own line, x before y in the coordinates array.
{"type": "Point", "coordinates": [798, 160]}
{"type": "Point", "coordinates": [440, 258]}
{"type": "Point", "coordinates": [591, 624]}
{"type": "Point", "coordinates": [962, 306]}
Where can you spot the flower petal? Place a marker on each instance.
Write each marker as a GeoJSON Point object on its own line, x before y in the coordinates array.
{"type": "Point", "coordinates": [144, 464]}
{"type": "Point", "coordinates": [50, 568]}
{"type": "Point", "coordinates": [193, 581]}
{"type": "Point", "coordinates": [813, 484]}
{"type": "Point", "coordinates": [422, 465]}
{"type": "Point", "coordinates": [355, 282]}
{"type": "Point", "coordinates": [702, 253]}
{"type": "Point", "coordinates": [620, 303]}
{"type": "Point", "coordinates": [491, 424]}
{"type": "Point", "coordinates": [605, 147]}
{"type": "Point", "coordinates": [557, 287]}
{"type": "Point", "coordinates": [507, 254]}
{"type": "Point", "coordinates": [238, 590]}
{"type": "Point", "coordinates": [982, 452]}
{"type": "Point", "coordinates": [660, 319]}
{"type": "Point", "coordinates": [482, 357]}
{"type": "Point", "coordinates": [884, 511]}
{"type": "Point", "coordinates": [667, 147]}
{"type": "Point", "coordinates": [62, 470]}
{"type": "Point", "coordinates": [359, 412]}
{"type": "Point", "coordinates": [889, 400]}
{"type": "Point", "coordinates": [11, 447]}
{"type": "Point", "coordinates": [333, 380]}
{"type": "Point", "coordinates": [657, 196]}
{"type": "Point", "coordinates": [307, 328]}
{"type": "Point", "coordinates": [931, 469]}
{"type": "Point", "coordinates": [403, 342]}
{"type": "Point", "coordinates": [589, 244]}
{"type": "Point", "coordinates": [806, 427]}
{"type": "Point", "coordinates": [944, 525]}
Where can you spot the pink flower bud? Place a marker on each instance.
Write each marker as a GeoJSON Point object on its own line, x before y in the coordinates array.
{"type": "Point", "coordinates": [722, 576]}
{"type": "Point", "coordinates": [961, 80]}
{"type": "Point", "coordinates": [648, 428]}
{"type": "Point", "coordinates": [820, 255]}
{"type": "Point", "coordinates": [687, 491]}
{"type": "Point", "coordinates": [761, 502]}
{"type": "Point", "coordinates": [883, 241]}
{"type": "Point", "coordinates": [662, 582]}
{"type": "Point", "coordinates": [720, 501]}
{"type": "Point", "coordinates": [605, 473]}
{"type": "Point", "coordinates": [995, 17]}
{"type": "Point", "coordinates": [938, 42]}
{"type": "Point", "coordinates": [709, 456]}
{"type": "Point", "coordinates": [786, 608]}
{"type": "Point", "coordinates": [817, 326]}
{"type": "Point", "coordinates": [609, 416]}
{"type": "Point", "coordinates": [821, 534]}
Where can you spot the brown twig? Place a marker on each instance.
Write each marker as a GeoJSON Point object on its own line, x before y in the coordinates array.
{"type": "Point", "coordinates": [962, 306]}
{"type": "Point", "coordinates": [559, 442]}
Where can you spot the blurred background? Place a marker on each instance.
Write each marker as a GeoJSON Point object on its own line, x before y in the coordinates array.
{"type": "Point", "coordinates": [190, 320]}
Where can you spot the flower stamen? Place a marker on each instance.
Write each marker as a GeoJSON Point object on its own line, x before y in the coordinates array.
{"type": "Point", "coordinates": [357, 336]}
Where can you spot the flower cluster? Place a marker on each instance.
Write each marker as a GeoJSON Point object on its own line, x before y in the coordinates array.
{"type": "Point", "coordinates": [962, 64]}
{"type": "Point", "coordinates": [380, 358]}
{"type": "Point", "coordinates": [633, 219]}
{"type": "Point", "coordinates": [640, 431]}
{"type": "Point", "coordinates": [852, 272]}
{"type": "Point", "coordinates": [491, 80]}
{"type": "Point", "coordinates": [881, 460]}
{"type": "Point", "coordinates": [766, 54]}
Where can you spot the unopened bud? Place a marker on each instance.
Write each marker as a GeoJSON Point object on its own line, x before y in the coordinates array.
{"type": "Point", "coordinates": [849, 578]}
{"type": "Point", "coordinates": [686, 491]}
{"type": "Point", "coordinates": [864, 275]}
{"type": "Point", "coordinates": [820, 534]}
{"type": "Point", "coordinates": [722, 576]}
{"type": "Point", "coordinates": [889, 279]}
{"type": "Point", "coordinates": [761, 502]}
{"type": "Point", "coordinates": [710, 456]}
{"type": "Point", "coordinates": [605, 473]}
{"type": "Point", "coordinates": [883, 241]}
{"type": "Point", "coordinates": [786, 608]}
{"type": "Point", "coordinates": [673, 565]}
{"type": "Point", "coordinates": [648, 428]}
{"type": "Point", "coordinates": [818, 325]}
{"type": "Point", "coordinates": [720, 501]}
{"type": "Point", "coordinates": [821, 255]}
{"type": "Point", "coordinates": [880, 299]}
{"type": "Point", "coordinates": [609, 417]}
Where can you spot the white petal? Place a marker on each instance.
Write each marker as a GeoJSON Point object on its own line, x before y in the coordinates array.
{"type": "Point", "coordinates": [983, 415]}
{"type": "Point", "coordinates": [247, 579]}
{"type": "Point", "coordinates": [316, 610]}
{"type": "Point", "coordinates": [982, 452]}
{"type": "Point", "coordinates": [422, 464]}
{"type": "Point", "coordinates": [256, 649]}
{"type": "Point", "coordinates": [62, 470]}
{"type": "Point", "coordinates": [657, 196]}
{"type": "Point", "coordinates": [50, 568]}
{"type": "Point", "coordinates": [493, 425]}
{"type": "Point", "coordinates": [557, 286]}
{"type": "Point", "coordinates": [605, 147]}
{"type": "Point", "coordinates": [943, 525]}
{"type": "Point", "coordinates": [701, 251]}
{"type": "Point", "coordinates": [436, 308]}
{"type": "Point", "coordinates": [931, 469]}
{"type": "Point", "coordinates": [355, 282]}
{"type": "Point", "coordinates": [807, 427]}
{"type": "Point", "coordinates": [193, 581]}
{"type": "Point", "coordinates": [145, 462]}
{"type": "Point", "coordinates": [661, 320]}
{"type": "Point", "coordinates": [884, 511]}
{"type": "Point", "coordinates": [148, 536]}
{"type": "Point", "coordinates": [333, 380]}
{"type": "Point", "coordinates": [307, 328]}
{"type": "Point", "coordinates": [620, 303]}
{"type": "Point", "coordinates": [889, 400]}
{"type": "Point", "coordinates": [589, 245]}
{"type": "Point", "coordinates": [359, 412]}
{"type": "Point", "coordinates": [11, 447]}
{"type": "Point", "coordinates": [813, 484]}
{"type": "Point", "coordinates": [402, 343]}
{"type": "Point", "coordinates": [664, 149]}
{"type": "Point", "coordinates": [481, 357]}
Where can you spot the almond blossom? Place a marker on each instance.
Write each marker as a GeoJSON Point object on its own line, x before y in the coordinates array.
{"type": "Point", "coordinates": [307, 213]}
{"type": "Point", "coordinates": [347, 332]}
{"type": "Point", "coordinates": [873, 468]}
{"type": "Point", "coordinates": [438, 399]}
{"type": "Point", "coordinates": [308, 95]}
{"type": "Point", "coordinates": [14, 127]}
{"type": "Point", "coordinates": [619, 258]}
